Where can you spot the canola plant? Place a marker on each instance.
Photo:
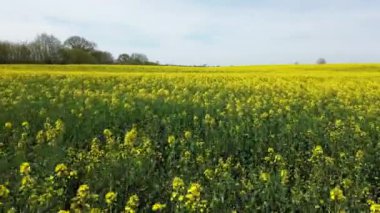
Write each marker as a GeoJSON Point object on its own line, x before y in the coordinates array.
{"type": "Point", "coordinates": [115, 138]}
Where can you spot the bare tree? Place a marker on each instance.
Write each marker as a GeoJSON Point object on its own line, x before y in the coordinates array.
{"type": "Point", "coordinates": [123, 58]}
{"type": "Point", "coordinates": [46, 49]}
{"type": "Point", "coordinates": [139, 58]}
{"type": "Point", "coordinates": [77, 42]}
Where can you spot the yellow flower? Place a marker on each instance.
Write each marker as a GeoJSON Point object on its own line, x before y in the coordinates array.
{"type": "Point", "coordinates": [128, 209]}
{"type": "Point", "coordinates": [133, 201]}
{"type": "Point", "coordinates": [8, 125]}
{"type": "Point", "coordinates": [370, 202]}
{"type": "Point", "coordinates": [73, 174]}
{"type": "Point", "coordinates": [317, 151]}
{"type": "Point", "coordinates": [158, 207]}
{"type": "Point", "coordinates": [4, 191]}
{"type": "Point", "coordinates": [26, 181]}
{"type": "Point", "coordinates": [284, 176]}
{"type": "Point", "coordinates": [130, 137]}
{"type": "Point", "coordinates": [336, 194]}
{"type": "Point", "coordinates": [174, 196]}
{"type": "Point", "coordinates": [63, 211]}
{"type": "Point", "coordinates": [209, 174]}
{"type": "Point", "coordinates": [194, 192]}
{"type": "Point", "coordinates": [59, 125]}
{"type": "Point", "coordinates": [178, 184]}
{"type": "Point", "coordinates": [278, 158]}
{"type": "Point", "coordinates": [270, 150]}
{"type": "Point", "coordinates": [342, 154]}
{"type": "Point", "coordinates": [171, 140]}
{"type": "Point", "coordinates": [110, 197]}
{"type": "Point", "coordinates": [25, 168]}
{"type": "Point", "coordinates": [40, 137]}
{"type": "Point", "coordinates": [209, 120]}
{"type": "Point", "coordinates": [375, 208]}
{"type": "Point", "coordinates": [95, 210]}
{"type": "Point", "coordinates": [25, 124]}
{"type": "Point", "coordinates": [359, 155]}
{"type": "Point", "coordinates": [107, 133]}
{"type": "Point", "coordinates": [186, 155]}
{"type": "Point", "coordinates": [329, 161]}
{"type": "Point", "coordinates": [195, 188]}
{"type": "Point", "coordinates": [264, 176]}
{"type": "Point", "coordinates": [61, 170]}
{"type": "Point", "coordinates": [132, 204]}
{"type": "Point", "coordinates": [188, 134]}
{"type": "Point", "coordinates": [200, 159]}
{"type": "Point", "coordinates": [83, 191]}
{"type": "Point", "coordinates": [347, 183]}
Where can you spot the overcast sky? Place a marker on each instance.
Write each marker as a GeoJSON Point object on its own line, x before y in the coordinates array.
{"type": "Point", "coordinates": [213, 32]}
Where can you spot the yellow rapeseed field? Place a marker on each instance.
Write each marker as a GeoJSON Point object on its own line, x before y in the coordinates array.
{"type": "Point", "coordinates": [287, 138]}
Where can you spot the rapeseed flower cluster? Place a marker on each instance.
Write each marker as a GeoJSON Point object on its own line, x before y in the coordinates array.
{"type": "Point", "coordinates": [132, 204]}
{"type": "Point", "coordinates": [8, 125]}
{"type": "Point", "coordinates": [25, 169]}
{"type": "Point", "coordinates": [4, 192]}
{"type": "Point", "coordinates": [158, 207]}
{"type": "Point", "coordinates": [336, 194]}
{"type": "Point", "coordinates": [110, 197]}
{"type": "Point", "coordinates": [61, 170]}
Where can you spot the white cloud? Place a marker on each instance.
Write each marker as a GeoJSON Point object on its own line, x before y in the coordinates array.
{"type": "Point", "coordinates": [214, 32]}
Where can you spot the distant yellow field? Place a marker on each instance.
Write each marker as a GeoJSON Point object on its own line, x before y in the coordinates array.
{"type": "Point", "coordinates": [286, 138]}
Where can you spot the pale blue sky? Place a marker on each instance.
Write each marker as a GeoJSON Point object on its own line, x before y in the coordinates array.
{"type": "Point", "coordinates": [214, 32]}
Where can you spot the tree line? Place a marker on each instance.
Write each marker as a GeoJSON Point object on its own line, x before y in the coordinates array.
{"type": "Point", "coordinates": [47, 49]}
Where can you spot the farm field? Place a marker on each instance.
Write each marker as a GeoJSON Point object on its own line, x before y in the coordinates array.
{"type": "Point", "coordinates": [286, 138]}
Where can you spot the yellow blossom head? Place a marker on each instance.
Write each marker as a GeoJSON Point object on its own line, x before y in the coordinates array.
{"type": "Point", "coordinates": [284, 176]}
{"type": "Point", "coordinates": [107, 133]}
{"type": "Point", "coordinates": [178, 184]}
{"type": "Point", "coordinates": [318, 151]}
{"type": "Point", "coordinates": [8, 125]}
{"type": "Point", "coordinates": [110, 197]}
{"type": "Point", "coordinates": [26, 182]}
{"type": "Point", "coordinates": [194, 191]}
{"type": "Point", "coordinates": [61, 170]}
{"type": "Point", "coordinates": [359, 155]}
{"type": "Point", "coordinates": [83, 191]}
{"type": "Point", "coordinates": [25, 124]}
{"type": "Point", "coordinates": [188, 134]}
{"type": "Point", "coordinates": [336, 194]}
{"type": "Point", "coordinates": [130, 137]}
{"type": "Point", "coordinates": [209, 174]}
{"type": "Point", "coordinates": [132, 202]}
{"type": "Point", "coordinates": [171, 140]}
{"type": "Point", "coordinates": [270, 150]}
{"type": "Point", "coordinates": [95, 210]}
{"type": "Point", "coordinates": [186, 155]}
{"type": "Point", "coordinates": [264, 176]}
{"type": "Point", "coordinates": [375, 208]}
{"type": "Point", "coordinates": [4, 192]}
{"type": "Point", "coordinates": [73, 174]}
{"type": "Point", "coordinates": [128, 209]}
{"type": "Point", "coordinates": [25, 168]}
{"type": "Point", "coordinates": [158, 207]}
